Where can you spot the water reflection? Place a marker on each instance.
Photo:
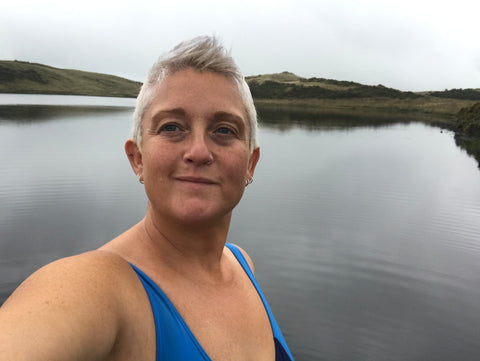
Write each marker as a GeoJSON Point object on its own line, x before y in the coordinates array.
{"type": "Point", "coordinates": [471, 145]}
{"type": "Point", "coordinates": [365, 237]}
{"type": "Point", "coordinates": [35, 113]}
{"type": "Point", "coordinates": [285, 118]}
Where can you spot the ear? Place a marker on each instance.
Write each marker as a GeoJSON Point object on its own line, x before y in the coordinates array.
{"type": "Point", "coordinates": [252, 163]}
{"type": "Point", "coordinates": [134, 156]}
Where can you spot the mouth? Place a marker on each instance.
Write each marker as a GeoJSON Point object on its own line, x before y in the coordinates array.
{"type": "Point", "coordinates": [196, 180]}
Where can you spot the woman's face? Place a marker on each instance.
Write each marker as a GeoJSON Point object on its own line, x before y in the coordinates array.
{"type": "Point", "coordinates": [195, 156]}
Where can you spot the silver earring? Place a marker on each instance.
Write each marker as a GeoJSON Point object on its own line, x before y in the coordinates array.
{"type": "Point", "coordinates": [248, 181]}
{"type": "Point", "coordinates": [140, 179]}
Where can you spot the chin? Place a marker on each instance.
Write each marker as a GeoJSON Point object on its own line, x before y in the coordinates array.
{"type": "Point", "coordinates": [204, 216]}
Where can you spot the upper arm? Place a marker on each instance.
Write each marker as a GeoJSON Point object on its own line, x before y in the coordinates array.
{"type": "Point", "coordinates": [64, 311]}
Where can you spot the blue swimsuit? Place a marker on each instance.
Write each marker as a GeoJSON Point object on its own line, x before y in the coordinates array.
{"type": "Point", "coordinates": [175, 341]}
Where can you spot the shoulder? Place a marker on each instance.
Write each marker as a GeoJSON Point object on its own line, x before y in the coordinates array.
{"type": "Point", "coordinates": [95, 272]}
{"type": "Point", "coordinates": [78, 301]}
{"type": "Point", "coordinates": [246, 256]}
{"type": "Point", "coordinates": [74, 286]}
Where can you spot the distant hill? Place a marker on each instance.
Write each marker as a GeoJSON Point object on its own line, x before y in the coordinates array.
{"type": "Point", "coordinates": [464, 94]}
{"type": "Point", "coordinates": [31, 78]}
{"type": "Point", "coordinates": [287, 85]}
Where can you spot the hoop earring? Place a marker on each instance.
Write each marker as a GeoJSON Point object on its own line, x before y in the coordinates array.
{"type": "Point", "coordinates": [248, 181]}
{"type": "Point", "coordinates": [140, 179]}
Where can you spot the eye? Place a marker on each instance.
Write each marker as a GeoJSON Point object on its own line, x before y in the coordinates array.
{"type": "Point", "coordinates": [225, 130]}
{"type": "Point", "coordinates": [170, 128]}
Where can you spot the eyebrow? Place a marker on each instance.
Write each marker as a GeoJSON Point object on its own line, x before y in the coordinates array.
{"type": "Point", "coordinates": [168, 112]}
{"type": "Point", "coordinates": [229, 116]}
{"type": "Point", "coordinates": [158, 116]}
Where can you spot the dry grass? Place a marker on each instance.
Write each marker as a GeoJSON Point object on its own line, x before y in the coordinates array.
{"type": "Point", "coordinates": [440, 109]}
{"type": "Point", "coordinates": [31, 78]}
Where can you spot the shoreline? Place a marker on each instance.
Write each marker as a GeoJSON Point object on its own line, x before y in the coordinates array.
{"type": "Point", "coordinates": [429, 109]}
{"type": "Point", "coordinates": [438, 112]}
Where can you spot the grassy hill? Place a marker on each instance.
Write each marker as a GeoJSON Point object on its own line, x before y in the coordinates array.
{"type": "Point", "coordinates": [289, 90]}
{"type": "Point", "coordinates": [290, 86]}
{"type": "Point", "coordinates": [31, 78]}
{"type": "Point", "coordinates": [269, 90]}
{"type": "Point", "coordinates": [287, 85]}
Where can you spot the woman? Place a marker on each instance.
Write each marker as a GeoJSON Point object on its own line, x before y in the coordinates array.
{"type": "Point", "coordinates": [169, 288]}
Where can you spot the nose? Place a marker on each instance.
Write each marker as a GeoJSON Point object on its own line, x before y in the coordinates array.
{"type": "Point", "coordinates": [198, 151]}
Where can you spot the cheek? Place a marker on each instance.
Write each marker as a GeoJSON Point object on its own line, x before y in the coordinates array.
{"type": "Point", "coordinates": [157, 162]}
{"type": "Point", "coordinates": [237, 168]}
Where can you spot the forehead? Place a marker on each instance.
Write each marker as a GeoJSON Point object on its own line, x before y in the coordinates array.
{"type": "Point", "coordinates": [198, 93]}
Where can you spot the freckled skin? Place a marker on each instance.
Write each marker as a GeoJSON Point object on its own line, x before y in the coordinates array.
{"type": "Point", "coordinates": [194, 160]}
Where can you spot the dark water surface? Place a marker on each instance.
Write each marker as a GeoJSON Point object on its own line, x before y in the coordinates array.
{"type": "Point", "coordinates": [366, 239]}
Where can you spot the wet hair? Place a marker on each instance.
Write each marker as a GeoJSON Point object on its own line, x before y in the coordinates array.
{"type": "Point", "coordinates": [202, 53]}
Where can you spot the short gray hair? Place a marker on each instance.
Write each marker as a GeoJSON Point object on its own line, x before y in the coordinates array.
{"type": "Point", "coordinates": [203, 53]}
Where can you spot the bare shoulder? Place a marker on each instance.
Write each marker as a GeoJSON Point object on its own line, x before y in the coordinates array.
{"type": "Point", "coordinates": [247, 257]}
{"type": "Point", "coordinates": [92, 272]}
{"type": "Point", "coordinates": [69, 309]}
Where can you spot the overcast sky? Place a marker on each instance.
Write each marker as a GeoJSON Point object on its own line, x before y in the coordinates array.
{"type": "Point", "coordinates": [405, 44]}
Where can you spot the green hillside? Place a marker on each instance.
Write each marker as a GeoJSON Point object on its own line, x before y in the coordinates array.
{"type": "Point", "coordinates": [290, 86]}
{"type": "Point", "coordinates": [319, 94]}
{"type": "Point", "coordinates": [31, 78]}
{"type": "Point", "coordinates": [287, 85]}
{"type": "Point", "coordinates": [269, 90]}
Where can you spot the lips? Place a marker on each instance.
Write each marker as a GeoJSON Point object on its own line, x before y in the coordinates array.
{"type": "Point", "coordinates": [194, 179]}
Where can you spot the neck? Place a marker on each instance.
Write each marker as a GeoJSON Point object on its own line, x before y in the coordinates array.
{"type": "Point", "coordinates": [199, 245]}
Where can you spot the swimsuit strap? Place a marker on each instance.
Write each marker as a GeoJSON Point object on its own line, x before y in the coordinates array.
{"type": "Point", "coordinates": [174, 339]}
{"type": "Point", "coordinates": [281, 348]}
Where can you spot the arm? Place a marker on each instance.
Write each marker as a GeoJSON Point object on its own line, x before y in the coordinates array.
{"type": "Point", "coordinates": [64, 311]}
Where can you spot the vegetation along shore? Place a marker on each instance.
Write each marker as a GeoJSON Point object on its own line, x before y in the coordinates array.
{"type": "Point", "coordinates": [456, 109]}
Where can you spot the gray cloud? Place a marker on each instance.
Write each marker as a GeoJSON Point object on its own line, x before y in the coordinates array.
{"type": "Point", "coordinates": [409, 45]}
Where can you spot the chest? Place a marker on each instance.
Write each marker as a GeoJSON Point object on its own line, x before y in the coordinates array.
{"type": "Point", "coordinates": [203, 322]}
{"type": "Point", "coordinates": [230, 323]}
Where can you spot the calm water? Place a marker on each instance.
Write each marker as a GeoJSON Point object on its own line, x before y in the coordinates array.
{"type": "Point", "coordinates": [366, 239]}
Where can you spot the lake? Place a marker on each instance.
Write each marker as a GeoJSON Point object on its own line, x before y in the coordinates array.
{"type": "Point", "coordinates": [365, 233]}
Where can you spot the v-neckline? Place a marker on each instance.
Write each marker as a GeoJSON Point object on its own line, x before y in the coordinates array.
{"type": "Point", "coordinates": [246, 268]}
